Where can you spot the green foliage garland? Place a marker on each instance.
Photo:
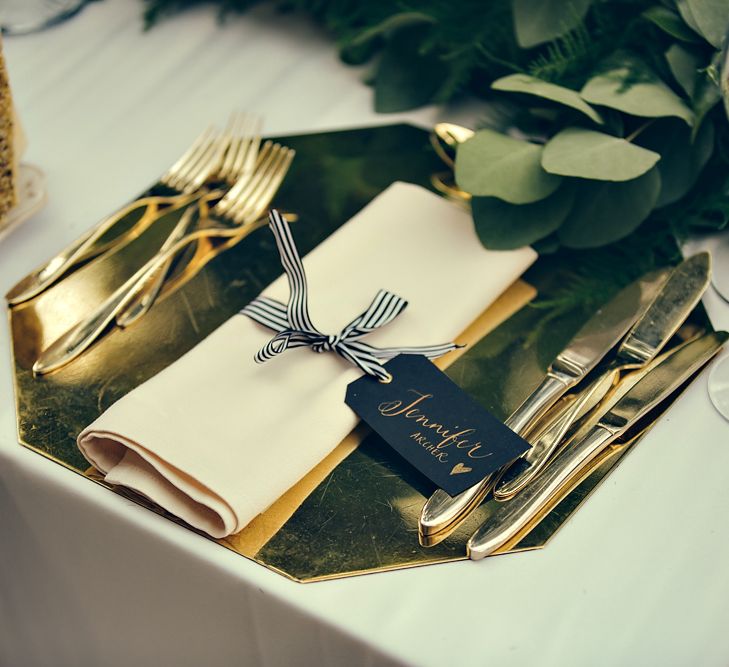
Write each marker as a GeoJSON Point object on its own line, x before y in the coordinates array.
{"type": "Point", "coordinates": [612, 131]}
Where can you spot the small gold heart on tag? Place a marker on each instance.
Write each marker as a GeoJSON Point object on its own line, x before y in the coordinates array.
{"type": "Point", "coordinates": [460, 468]}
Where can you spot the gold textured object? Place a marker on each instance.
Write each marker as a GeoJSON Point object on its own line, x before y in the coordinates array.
{"type": "Point", "coordinates": [8, 152]}
{"type": "Point", "coordinates": [357, 511]}
{"type": "Point", "coordinates": [445, 138]}
{"type": "Point", "coordinates": [22, 186]}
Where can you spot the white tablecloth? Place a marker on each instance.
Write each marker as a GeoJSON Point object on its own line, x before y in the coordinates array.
{"type": "Point", "coordinates": [638, 576]}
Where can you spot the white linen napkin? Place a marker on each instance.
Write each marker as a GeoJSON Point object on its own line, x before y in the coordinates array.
{"type": "Point", "coordinates": [216, 438]}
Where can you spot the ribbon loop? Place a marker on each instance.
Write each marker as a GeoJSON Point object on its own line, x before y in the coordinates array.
{"type": "Point", "coordinates": [295, 329]}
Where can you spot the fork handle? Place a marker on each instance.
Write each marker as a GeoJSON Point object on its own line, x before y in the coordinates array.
{"type": "Point", "coordinates": [81, 336]}
{"type": "Point", "coordinates": [45, 276]}
{"type": "Point", "coordinates": [145, 291]}
{"type": "Point", "coordinates": [512, 517]}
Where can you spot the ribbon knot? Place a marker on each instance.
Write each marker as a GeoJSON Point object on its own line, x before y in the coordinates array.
{"type": "Point", "coordinates": [327, 344]}
{"type": "Point", "coordinates": [295, 328]}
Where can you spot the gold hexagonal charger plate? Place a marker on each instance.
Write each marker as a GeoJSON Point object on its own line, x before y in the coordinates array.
{"type": "Point", "coordinates": [357, 511]}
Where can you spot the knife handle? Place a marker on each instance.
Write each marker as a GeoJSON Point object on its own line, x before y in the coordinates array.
{"type": "Point", "coordinates": [515, 515]}
{"type": "Point", "coordinates": [550, 438]}
{"type": "Point", "coordinates": [443, 513]}
{"type": "Point", "coordinates": [539, 401]}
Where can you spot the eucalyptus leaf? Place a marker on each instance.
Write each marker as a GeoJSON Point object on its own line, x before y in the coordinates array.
{"type": "Point", "coordinates": [503, 226]}
{"type": "Point", "coordinates": [685, 10]}
{"type": "Point", "coordinates": [405, 78]}
{"type": "Point", "coordinates": [639, 93]}
{"type": "Point", "coordinates": [684, 67]}
{"type": "Point", "coordinates": [605, 212]}
{"type": "Point", "coordinates": [671, 23]}
{"type": "Point", "coordinates": [529, 85]}
{"type": "Point", "coordinates": [539, 21]}
{"type": "Point", "coordinates": [589, 154]}
{"type": "Point", "coordinates": [712, 19]}
{"type": "Point", "coordinates": [491, 164]}
{"type": "Point", "coordinates": [681, 158]}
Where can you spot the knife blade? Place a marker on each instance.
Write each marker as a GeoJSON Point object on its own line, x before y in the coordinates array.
{"type": "Point", "coordinates": [672, 306]}
{"type": "Point", "coordinates": [651, 385]}
{"type": "Point", "coordinates": [653, 329]}
{"type": "Point", "coordinates": [442, 513]}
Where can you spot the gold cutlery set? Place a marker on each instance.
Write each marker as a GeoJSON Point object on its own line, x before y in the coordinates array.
{"type": "Point", "coordinates": [224, 183]}
{"type": "Point", "coordinates": [571, 433]}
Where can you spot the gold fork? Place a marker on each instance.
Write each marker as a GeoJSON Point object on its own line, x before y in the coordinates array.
{"type": "Point", "coordinates": [177, 187]}
{"type": "Point", "coordinates": [242, 139]}
{"type": "Point", "coordinates": [235, 216]}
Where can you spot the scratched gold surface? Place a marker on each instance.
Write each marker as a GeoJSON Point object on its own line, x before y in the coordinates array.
{"type": "Point", "coordinates": [357, 512]}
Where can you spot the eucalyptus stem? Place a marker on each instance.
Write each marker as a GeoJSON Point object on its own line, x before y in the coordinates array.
{"type": "Point", "coordinates": [495, 59]}
{"type": "Point", "coordinates": [637, 132]}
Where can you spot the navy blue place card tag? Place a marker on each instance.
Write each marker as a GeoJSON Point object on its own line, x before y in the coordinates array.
{"type": "Point", "coordinates": [436, 426]}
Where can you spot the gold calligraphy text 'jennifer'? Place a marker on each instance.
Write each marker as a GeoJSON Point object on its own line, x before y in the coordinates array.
{"type": "Point", "coordinates": [450, 436]}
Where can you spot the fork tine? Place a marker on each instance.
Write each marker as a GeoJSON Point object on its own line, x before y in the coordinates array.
{"type": "Point", "coordinates": [263, 174]}
{"type": "Point", "coordinates": [253, 213]}
{"type": "Point", "coordinates": [189, 155]}
{"type": "Point", "coordinates": [179, 177]}
{"type": "Point", "coordinates": [245, 161]}
{"type": "Point", "coordinates": [200, 166]}
{"type": "Point", "coordinates": [251, 207]}
{"type": "Point", "coordinates": [263, 166]}
{"type": "Point", "coordinates": [235, 130]}
{"type": "Point", "coordinates": [244, 184]}
{"type": "Point", "coordinates": [240, 158]}
{"type": "Point", "coordinates": [207, 166]}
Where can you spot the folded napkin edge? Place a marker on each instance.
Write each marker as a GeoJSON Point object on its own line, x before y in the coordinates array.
{"type": "Point", "coordinates": [93, 443]}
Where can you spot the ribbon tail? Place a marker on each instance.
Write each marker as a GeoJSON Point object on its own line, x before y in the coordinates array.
{"type": "Point", "coordinates": [385, 307]}
{"type": "Point", "coordinates": [268, 312]}
{"type": "Point", "coordinates": [297, 308]}
{"type": "Point", "coordinates": [429, 351]}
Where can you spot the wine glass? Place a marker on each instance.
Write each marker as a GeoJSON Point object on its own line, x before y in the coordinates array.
{"type": "Point", "coordinates": [719, 386]}
{"type": "Point", "coordinates": [719, 374]}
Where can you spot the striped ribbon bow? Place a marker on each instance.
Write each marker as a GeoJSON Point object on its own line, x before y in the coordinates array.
{"type": "Point", "coordinates": [295, 328]}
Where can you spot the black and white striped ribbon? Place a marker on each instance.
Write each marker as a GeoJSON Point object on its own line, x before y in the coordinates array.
{"type": "Point", "coordinates": [295, 328]}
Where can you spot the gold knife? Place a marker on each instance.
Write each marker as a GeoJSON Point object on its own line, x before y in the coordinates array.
{"type": "Point", "coordinates": [442, 513]}
{"type": "Point", "coordinates": [650, 385]}
{"type": "Point", "coordinates": [677, 298]}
